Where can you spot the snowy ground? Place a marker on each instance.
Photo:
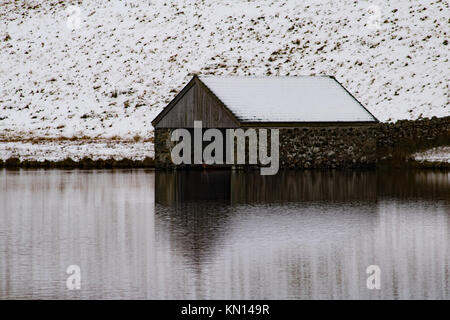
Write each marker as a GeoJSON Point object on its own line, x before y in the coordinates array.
{"type": "Point", "coordinates": [76, 150]}
{"type": "Point", "coordinates": [106, 68]}
{"type": "Point", "coordinates": [439, 154]}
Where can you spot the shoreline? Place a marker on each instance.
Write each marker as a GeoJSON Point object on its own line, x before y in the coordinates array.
{"type": "Point", "coordinates": [147, 163]}
{"type": "Point", "coordinates": [84, 163]}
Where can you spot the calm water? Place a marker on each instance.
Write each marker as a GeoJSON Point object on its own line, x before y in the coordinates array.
{"type": "Point", "coordinates": [197, 235]}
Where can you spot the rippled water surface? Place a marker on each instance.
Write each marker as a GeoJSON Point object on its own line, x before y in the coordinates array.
{"type": "Point", "coordinates": [224, 235]}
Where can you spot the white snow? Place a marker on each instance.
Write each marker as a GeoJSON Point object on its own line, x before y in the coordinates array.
{"type": "Point", "coordinates": [286, 99]}
{"type": "Point", "coordinates": [76, 150]}
{"type": "Point", "coordinates": [59, 77]}
{"type": "Point", "coordinates": [438, 154]}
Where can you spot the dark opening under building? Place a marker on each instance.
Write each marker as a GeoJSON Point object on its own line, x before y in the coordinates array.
{"type": "Point", "coordinates": [321, 125]}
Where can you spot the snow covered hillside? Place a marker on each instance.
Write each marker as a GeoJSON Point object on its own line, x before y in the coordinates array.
{"type": "Point", "coordinates": [103, 68]}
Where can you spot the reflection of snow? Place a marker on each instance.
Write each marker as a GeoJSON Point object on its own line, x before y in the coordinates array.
{"type": "Point", "coordinates": [322, 252]}
{"type": "Point", "coordinates": [76, 150]}
{"type": "Point", "coordinates": [439, 154]}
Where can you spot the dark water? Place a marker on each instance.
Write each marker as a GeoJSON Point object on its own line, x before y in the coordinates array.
{"type": "Point", "coordinates": [198, 235]}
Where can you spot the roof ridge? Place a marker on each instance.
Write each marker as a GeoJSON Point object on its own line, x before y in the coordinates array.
{"type": "Point", "coordinates": [264, 77]}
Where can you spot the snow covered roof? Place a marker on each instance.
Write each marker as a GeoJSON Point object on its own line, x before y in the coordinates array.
{"type": "Point", "coordinates": [287, 99]}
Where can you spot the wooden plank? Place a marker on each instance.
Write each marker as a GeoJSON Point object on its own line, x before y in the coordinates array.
{"type": "Point", "coordinates": [172, 103]}
{"type": "Point", "coordinates": [196, 103]}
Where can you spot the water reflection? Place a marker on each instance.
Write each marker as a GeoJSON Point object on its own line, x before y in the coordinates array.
{"type": "Point", "coordinates": [192, 235]}
{"type": "Point", "coordinates": [173, 187]}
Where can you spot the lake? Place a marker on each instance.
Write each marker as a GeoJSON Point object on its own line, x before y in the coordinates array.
{"type": "Point", "coordinates": [141, 234]}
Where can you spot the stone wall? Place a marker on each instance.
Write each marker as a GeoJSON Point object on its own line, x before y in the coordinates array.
{"type": "Point", "coordinates": [163, 146]}
{"type": "Point", "coordinates": [397, 141]}
{"type": "Point", "coordinates": [304, 147]}
{"type": "Point", "coordinates": [342, 147]}
{"type": "Point", "coordinates": [331, 147]}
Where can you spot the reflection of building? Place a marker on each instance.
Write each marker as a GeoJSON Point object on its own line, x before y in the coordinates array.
{"type": "Point", "coordinates": [320, 123]}
{"type": "Point", "coordinates": [307, 234]}
{"type": "Point", "coordinates": [203, 203]}
{"type": "Point", "coordinates": [178, 186]}
{"type": "Point", "coordinates": [174, 187]}
{"type": "Point", "coordinates": [303, 186]}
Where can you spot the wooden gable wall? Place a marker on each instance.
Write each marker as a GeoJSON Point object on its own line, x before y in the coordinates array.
{"type": "Point", "coordinates": [197, 103]}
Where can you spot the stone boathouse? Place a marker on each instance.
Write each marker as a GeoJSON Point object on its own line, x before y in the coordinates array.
{"type": "Point", "coordinates": [320, 123]}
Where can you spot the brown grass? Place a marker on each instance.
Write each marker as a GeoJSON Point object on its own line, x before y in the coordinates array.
{"type": "Point", "coordinates": [83, 138]}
